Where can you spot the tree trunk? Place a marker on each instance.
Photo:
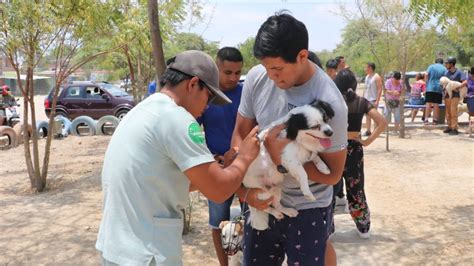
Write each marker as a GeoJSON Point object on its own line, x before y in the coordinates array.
{"type": "Point", "coordinates": [130, 68]}
{"type": "Point", "coordinates": [156, 40]}
{"type": "Point", "coordinates": [49, 138]}
{"type": "Point", "coordinates": [39, 184]}
{"type": "Point", "coordinates": [402, 106]}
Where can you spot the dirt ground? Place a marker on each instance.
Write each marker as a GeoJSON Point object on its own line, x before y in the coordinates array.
{"type": "Point", "coordinates": [420, 196]}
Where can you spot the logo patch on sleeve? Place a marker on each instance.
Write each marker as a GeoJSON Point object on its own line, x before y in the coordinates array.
{"type": "Point", "coordinates": [195, 133]}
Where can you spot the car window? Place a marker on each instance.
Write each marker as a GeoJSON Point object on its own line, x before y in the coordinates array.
{"type": "Point", "coordinates": [94, 92]}
{"type": "Point", "coordinates": [114, 90]}
{"type": "Point", "coordinates": [73, 92]}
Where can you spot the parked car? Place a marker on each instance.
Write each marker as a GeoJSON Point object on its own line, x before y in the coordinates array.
{"type": "Point", "coordinates": [89, 98]}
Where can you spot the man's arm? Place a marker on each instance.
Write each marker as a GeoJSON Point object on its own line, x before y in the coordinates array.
{"type": "Point", "coordinates": [242, 127]}
{"type": "Point", "coordinates": [335, 162]}
{"type": "Point", "coordinates": [378, 82]}
{"type": "Point", "coordinates": [218, 183]}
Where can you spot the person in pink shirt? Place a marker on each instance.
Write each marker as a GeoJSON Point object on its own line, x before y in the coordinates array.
{"type": "Point", "coordinates": [393, 89]}
{"type": "Point", "coordinates": [418, 88]}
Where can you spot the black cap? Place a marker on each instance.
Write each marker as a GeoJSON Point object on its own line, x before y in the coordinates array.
{"type": "Point", "coordinates": [451, 60]}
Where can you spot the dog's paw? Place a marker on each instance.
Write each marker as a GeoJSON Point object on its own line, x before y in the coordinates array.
{"type": "Point", "coordinates": [279, 216]}
{"type": "Point", "coordinates": [323, 168]}
{"type": "Point", "coordinates": [291, 213]}
{"type": "Point", "coordinates": [310, 197]}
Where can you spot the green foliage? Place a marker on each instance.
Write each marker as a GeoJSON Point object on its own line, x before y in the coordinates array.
{"type": "Point", "coordinates": [246, 48]}
{"type": "Point", "coordinates": [449, 13]}
{"type": "Point", "coordinates": [189, 41]}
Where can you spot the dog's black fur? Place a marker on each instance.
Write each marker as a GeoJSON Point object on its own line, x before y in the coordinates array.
{"type": "Point", "coordinates": [299, 121]}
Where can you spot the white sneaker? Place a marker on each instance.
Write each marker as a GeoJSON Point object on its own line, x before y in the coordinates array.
{"type": "Point", "coordinates": [363, 235]}
{"type": "Point", "coordinates": [341, 201]}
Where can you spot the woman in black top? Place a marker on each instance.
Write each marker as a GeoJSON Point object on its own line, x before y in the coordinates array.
{"type": "Point", "coordinates": [353, 174]}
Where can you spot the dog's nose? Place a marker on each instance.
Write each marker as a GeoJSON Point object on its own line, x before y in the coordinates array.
{"type": "Point", "coordinates": [328, 132]}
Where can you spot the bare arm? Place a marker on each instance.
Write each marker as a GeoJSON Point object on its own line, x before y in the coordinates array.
{"type": "Point", "coordinates": [381, 124]}
{"type": "Point", "coordinates": [379, 89]}
{"type": "Point", "coordinates": [218, 183]}
{"type": "Point", "coordinates": [335, 162]}
{"type": "Point", "coordinates": [242, 128]}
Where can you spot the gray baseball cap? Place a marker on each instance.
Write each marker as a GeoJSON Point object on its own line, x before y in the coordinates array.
{"type": "Point", "coordinates": [199, 64]}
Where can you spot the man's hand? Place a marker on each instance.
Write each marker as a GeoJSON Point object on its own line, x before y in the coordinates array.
{"type": "Point", "coordinates": [275, 145]}
{"type": "Point", "coordinates": [219, 159]}
{"type": "Point", "coordinates": [250, 146]}
{"type": "Point", "coordinates": [252, 199]}
{"type": "Point", "coordinates": [229, 156]}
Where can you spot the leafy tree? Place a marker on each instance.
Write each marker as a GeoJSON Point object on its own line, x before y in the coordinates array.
{"type": "Point", "coordinates": [246, 48]}
{"type": "Point", "coordinates": [28, 30]}
{"type": "Point", "coordinates": [455, 19]}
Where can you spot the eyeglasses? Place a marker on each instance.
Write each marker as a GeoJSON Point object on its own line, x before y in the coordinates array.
{"type": "Point", "coordinates": [212, 95]}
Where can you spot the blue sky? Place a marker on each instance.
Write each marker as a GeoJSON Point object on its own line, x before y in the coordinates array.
{"type": "Point", "coordinates": [232, 22]}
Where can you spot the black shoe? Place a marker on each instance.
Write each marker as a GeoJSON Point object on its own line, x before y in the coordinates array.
{"type": "Point", "coordinates": [448, 130]}
{"type": "Point", "coordinates": [367, 133]}
{"type": "Point", "coordinates": [454, 132]}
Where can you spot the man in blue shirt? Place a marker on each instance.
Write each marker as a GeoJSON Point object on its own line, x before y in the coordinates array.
{"type": "Point", "coordinates": [219, 122]}
{"type": "Point", "coordinates": [452, 104]}
{"type": "Point", "coordinates": [151, 88]}
{"type": "Point", "coordinates": [434, 95]}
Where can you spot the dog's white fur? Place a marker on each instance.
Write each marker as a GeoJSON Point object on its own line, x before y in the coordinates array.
{"type": "Point", "coordinates": [451, 85]}
{"type": "Point", "coordinates": [232, 233]}
{"type": "Point", "coordinates": [262, 173]}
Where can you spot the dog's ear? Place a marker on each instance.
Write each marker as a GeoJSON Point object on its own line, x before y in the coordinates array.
{"type": "Point", "coordinates": [295, 123]}
{"type": "Point", "coordinates": [223, 224]}
{"type": "Point", "coordinates": [325, 107]}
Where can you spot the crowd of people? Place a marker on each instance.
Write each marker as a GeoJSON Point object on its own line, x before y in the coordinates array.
{"type": "Point", "coordinates": [199, 131]}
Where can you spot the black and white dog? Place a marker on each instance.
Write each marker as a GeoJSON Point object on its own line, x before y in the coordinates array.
{"type": "Point", "coordinates": [308, 128]}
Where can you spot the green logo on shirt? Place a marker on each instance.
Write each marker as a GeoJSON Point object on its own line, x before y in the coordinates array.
{"type": "Point", "coordinates": [195, 133]}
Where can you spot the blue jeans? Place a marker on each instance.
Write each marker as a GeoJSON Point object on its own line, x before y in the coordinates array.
{"type": "Point", "coordinates": [219, 212]}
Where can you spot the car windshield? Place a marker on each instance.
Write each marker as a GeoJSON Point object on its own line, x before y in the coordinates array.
{"type": "Point", "coordinates": [114, 90]}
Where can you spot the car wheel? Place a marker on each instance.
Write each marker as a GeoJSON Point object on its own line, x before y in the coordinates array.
{"type": "Point", "coordinates": [42, 129]}
{"type": "Point", "coordinates": [104, 122]}
{"type": "Point", "coordinates": [61, 113]}
{"type": "Point", "coordinates": [9, 137]}
{"type": "Point", "coordinates": [83, 121]}
{"type": "Point", "coordinates": [121, 114]}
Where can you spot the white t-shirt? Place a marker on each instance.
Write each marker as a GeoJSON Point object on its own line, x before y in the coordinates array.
{"type": "Point", "coordinates": [143, 182]}
{"type": "Point", "coordinates": [263, 101]}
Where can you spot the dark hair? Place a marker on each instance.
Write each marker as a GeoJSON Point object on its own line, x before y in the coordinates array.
{"type": "Point", "coordinates": [397, 75]}
{"type": "Point", "coordinates": [371, 65]}
{"type": "Point", "coordinates": [172, 77]}
{"type": "Point", "coordinates": [346, 82]}
{"type": "Point", "coordinates": [331, 64]}
{"type": "Point", "coordinates": [439, 61]}
{"type": "Point", "coordinates": [230, 54]}
{"type": "Point", "coordinates": [313, 57]}
{"type": "Point", "coordinates": [419, 76]}
{"type": "Point", "coordinates": [338, 58]}
{"type": "Point", "coordinates": [281, 35]}
{"type": "Point", "coordinates": [451, 60]}
{"type": "Point", "coordinates": [472, 70]}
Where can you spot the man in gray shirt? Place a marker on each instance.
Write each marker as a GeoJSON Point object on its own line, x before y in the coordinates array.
{"type": "Point", "coordinates": [287, 79]}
